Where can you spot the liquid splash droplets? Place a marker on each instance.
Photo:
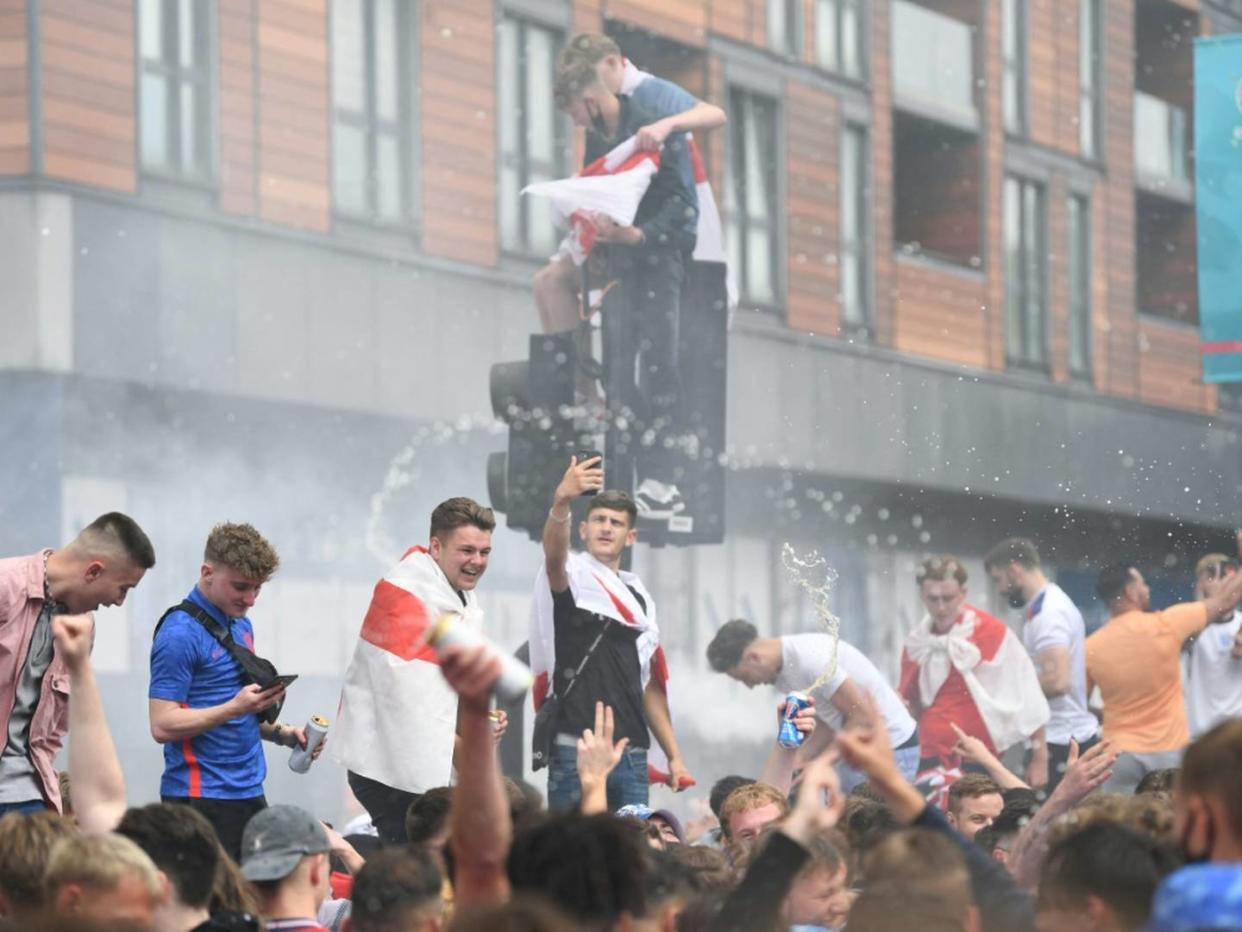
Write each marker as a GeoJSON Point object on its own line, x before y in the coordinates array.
{"type": "Point", "coordinates": [816, 578]}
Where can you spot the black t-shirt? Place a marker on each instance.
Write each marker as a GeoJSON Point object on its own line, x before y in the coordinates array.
{"type": "Point", "coordinates": [613, 675]}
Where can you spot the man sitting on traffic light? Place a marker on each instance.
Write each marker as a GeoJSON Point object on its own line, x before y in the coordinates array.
{"type": "Point", "coordinates": [649, 258]}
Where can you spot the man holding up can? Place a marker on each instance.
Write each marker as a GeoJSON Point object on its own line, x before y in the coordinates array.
{"type": "Point", "coordinates": [594, 638]}
{"type": "Point", "coordinates": [397, 723]}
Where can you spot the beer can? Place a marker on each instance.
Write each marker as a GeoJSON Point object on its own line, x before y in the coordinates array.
{"type": "Point", "coordinates": [515, 676]}
{"type": "Point", "coordinates": [790, 737]}
{"type": "Point", "coordinates": [301, 758]}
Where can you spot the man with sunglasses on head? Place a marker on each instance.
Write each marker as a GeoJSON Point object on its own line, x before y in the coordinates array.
{"type": "Point", "coordinates": [961, 666]}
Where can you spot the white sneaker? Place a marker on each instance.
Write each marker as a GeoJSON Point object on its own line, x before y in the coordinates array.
{"type": "Point", "coordinates": [657, 500]}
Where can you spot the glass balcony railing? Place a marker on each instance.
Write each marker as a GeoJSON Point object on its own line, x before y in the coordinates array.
{"type": "Point", "coordinates": [933, 61]}
{"type": "Point", "coordinates": [1161, 140]}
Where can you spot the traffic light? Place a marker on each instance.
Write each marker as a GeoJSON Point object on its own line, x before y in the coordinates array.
{"type": "Point", "coordinates": [535, 397]}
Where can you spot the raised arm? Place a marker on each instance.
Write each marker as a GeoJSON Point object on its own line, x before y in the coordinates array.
{"type": "Point", "coordinates": [598, 755]}
{"type": "Point", "coordinates": [778, 771]}
{"type": "Point", "coordinates": [970, 748]}
{"type": "Point", "coordinates": [479, 821]}
{"type": "Point", "coordinates": [579, 477]}
{"type": "Point", "coordinates": [94, 768]}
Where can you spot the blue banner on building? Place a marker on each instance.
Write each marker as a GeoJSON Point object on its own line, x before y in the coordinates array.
{"type": "Point", "coordinates": [1218, 200]}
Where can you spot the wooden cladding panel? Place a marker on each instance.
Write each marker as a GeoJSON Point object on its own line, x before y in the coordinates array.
{"type": "Point", "coordinates": [14, 106]}
{"type": "Point", "coordinates": [89, 125]}
{"type": "Point", "coordinates": [459, 143]}
{"type": "Point", "coordinates": [812, 125]}
{"type": "Point", "coordinates": [291, 167]}
{"type": "Point", "coordinates": [1042, 43]}
{"type": "Point", "coordinates": [683, 21]}
{"type": "Point", "coordinates": [239, 157]}
{"type": "Point", "coordinates": [1068, 78]}
{"type": "Point", "coordinates": [1169, 367]}
{"type": "Point", "coordinates": [588, 16]}
{"type": "Point", "coordinates": [940, 314]}
{"type": "Point", "coordinates": [738, 19]}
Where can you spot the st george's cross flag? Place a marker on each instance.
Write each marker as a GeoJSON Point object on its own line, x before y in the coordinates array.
{"type": "Point", "coordinates": [398, 717]}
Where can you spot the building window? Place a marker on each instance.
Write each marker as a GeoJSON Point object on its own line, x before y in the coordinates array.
{"type": "Point", "coordinates": [370, 150]}
{"type": "Point", "coordinates": [750, 196]}
{"type": "Point", "coordinates": [839, 36]}
{"type": "Point", "coordinates": [853, 260]}
{"type": "Point", "coordinates": [784, 20]}
{"type": "Point", "coordinates": [1089, 77]}
{"type": "Point", "coordinates": [175, 87]}
{"type": "Point", "coordinates": [1014, 47]}
{"type": "Point", "coordinates": [1078, 257]}
{"type": "Point", "coordinates": [1025, 293]}
{"type": "Point", "coordinates": [532, 134]}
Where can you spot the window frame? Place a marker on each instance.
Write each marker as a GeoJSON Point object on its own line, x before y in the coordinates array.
{"type": "Point", "coordinates": [1078, 272]}
{"type": "Point", "coordinates": [858, 252]}
{"type": "Point", "coordinates": [1089, 72]}
{"type": "Point", "coordinates": [1015, 67]}
{"type": "Point", "coordinates": [562, 145]}
{"type": "Point", "coordinates": [175, 77]}
{"type": "Point", "coordinates": [368, 120]}
{"type": "Point", "coordinates": [737, 220]}
{"type": "Point", "coordinates": [1029, 350]}
{"type": "Point", "coordinates": [793, 39]}
{"type": "Point", "coordinates": [837, 8]}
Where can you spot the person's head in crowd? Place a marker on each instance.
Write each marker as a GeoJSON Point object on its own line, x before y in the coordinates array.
{"type": "Point", "coordinates": [461, 541]}
{"type": "Point", "coordinates": [610, 526]}
{"type": "Point", "coordinates": [1102, 877]}
{"type": "Point", "coordinates": [820, 894]}
{"type": "Point", "coordinates": [237, 562]}
{"type": "Point", "coordinates": [1211, 571]}
{"type": "Point", "coordinates": [579, 92]}
{"type": "Point", "coordinates": [998, 838]}
{"type": "Point", "coordinates": [743, 816]}
{"type": "Point", "coordinates": [26, 844]}
{"type": "Point", "coordinates": [666, 824]}
{"type": "Point", "coordinates": [427, 823]}
{"type": "Point", "coordinates": [1014, 567]}
{"type": "Point", "coordinates": [914, 879]}
{"type": "Point", "coordinates": [702, 913]}
{"type": "Point", "coordinates": [709, 865]}
{"type": "Point", "coordinates": [231, 892]}
{"type": "Point", "coordinates": [942, 587]}
{"type": "Point", "coordinates": [519, 914]}
{"type": "Point", "coordinates": [739, 653]}
{"type": "Point", "coordinates": [397, 890]}
{"type": "Point", "coordinates": [974, 802]}
{"type": "Point", "coordinates": [1149, 815]}
{"type": "Point", "coordinates": [670, 885]}
{"type": "Point", "coordinates": [864, 822]}
{"type": "Point", "coordinates": [99, 566]}
{"type": "Point", "coordinates": [866, 790]}
{"type": "Point", "coordinates": [1207, 798]}
{"type": "Point", "coordinates": [105, 878]}
{"type": "Point", "coordinates": [1158, 783]}
{"type": "Point", "coordinates": [722, 788]}
{"type": "Point", "coordinates": [525, 802]}
{"type": "Point", "coordinates": [1123, 589]}
{"type": "Point", "coordinates": [592, 867]}
{"type": "Point", "coordinates": [599, 51]}
{"type": "Point", "coordinates": [285, 855]}
{"type": "Point", "coordinates": [183, 846]}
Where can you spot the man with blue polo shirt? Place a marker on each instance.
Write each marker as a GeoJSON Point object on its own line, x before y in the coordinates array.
{"type": "Point", "coordinates": [202, 707]}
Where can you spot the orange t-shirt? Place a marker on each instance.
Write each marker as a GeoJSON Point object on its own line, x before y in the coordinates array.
{"type": "Point", "coordinates": [1134, 659]}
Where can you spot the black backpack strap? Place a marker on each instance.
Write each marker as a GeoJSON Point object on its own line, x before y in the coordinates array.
{"type": "Point", "coordinates": [214, 628]}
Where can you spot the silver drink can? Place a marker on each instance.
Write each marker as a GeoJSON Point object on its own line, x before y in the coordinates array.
{"type": "Point", "coordinates": [515, 676]}
{"type": "Point", "coordinates": [301, 758]}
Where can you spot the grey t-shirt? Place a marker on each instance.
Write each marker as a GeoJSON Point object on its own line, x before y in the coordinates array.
{"type": "Point", "coordinates": [19, 782]}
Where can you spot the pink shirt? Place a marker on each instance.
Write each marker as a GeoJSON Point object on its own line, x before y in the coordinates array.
{"type": "Point", "coordinates": [21, 601]}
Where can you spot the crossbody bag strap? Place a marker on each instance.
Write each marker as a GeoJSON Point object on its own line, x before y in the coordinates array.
{"type": "Point", "coordinates": [582, 666]}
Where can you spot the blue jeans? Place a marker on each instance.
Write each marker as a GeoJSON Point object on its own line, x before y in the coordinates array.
{"type": "Point", "coordinates": [29, 807]}
{"type": "Point", "coordinates": [627, 784]}
{"type": "Point", "coordinates": [907, 763]}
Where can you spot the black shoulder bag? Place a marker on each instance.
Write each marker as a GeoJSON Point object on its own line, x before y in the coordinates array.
{"type": "Point", "coordinates": [254, 668]}
{"type": "Point", "coordinates": [545, 718]}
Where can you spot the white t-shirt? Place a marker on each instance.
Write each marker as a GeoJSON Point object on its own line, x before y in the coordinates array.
{"type": "Point", "coordinates": [1212, 677]}
{"type": "Point", "coordinates": [1053, 620]}
{"type": "Point", "coordinates": [805, 656]}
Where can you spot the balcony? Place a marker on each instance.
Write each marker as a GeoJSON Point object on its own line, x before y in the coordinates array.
{"type": "Point", "coordinates": [1161, 147]}
{"type": "Point", "coordinates": [933, 65]}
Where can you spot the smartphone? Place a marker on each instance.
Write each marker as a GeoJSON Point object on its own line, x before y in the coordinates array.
{"type": "Point", "coordinates": [282, 681]}
{"type": "Point", "coordinates": [582, 456]}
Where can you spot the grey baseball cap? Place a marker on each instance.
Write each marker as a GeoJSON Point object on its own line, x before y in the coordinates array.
{"type": "Point", "coordinates": [276, 839]}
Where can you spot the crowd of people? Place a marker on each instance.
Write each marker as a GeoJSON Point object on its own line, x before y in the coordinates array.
{"type": "Point", "coordinates": [1008, 780]}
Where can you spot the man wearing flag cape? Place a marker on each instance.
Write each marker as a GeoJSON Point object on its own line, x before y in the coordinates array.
{"type": "Point", "coordinates": [594, 638]}
{"type": "Point", "coordinates": [397, 722]}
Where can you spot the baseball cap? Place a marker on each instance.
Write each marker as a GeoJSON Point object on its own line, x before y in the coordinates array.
{"type": "Point", "coordinates": [645, 813]}
{"type": "Point", "coordinates": [276, 839]}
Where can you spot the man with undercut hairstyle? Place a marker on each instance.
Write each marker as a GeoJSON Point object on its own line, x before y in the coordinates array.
{"type": "Point", "coordinates": [202, 705]}
{"type": "Point", "coordinates": [397, 890]}
{"type": "Point", "coordinates": [99, 567]}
